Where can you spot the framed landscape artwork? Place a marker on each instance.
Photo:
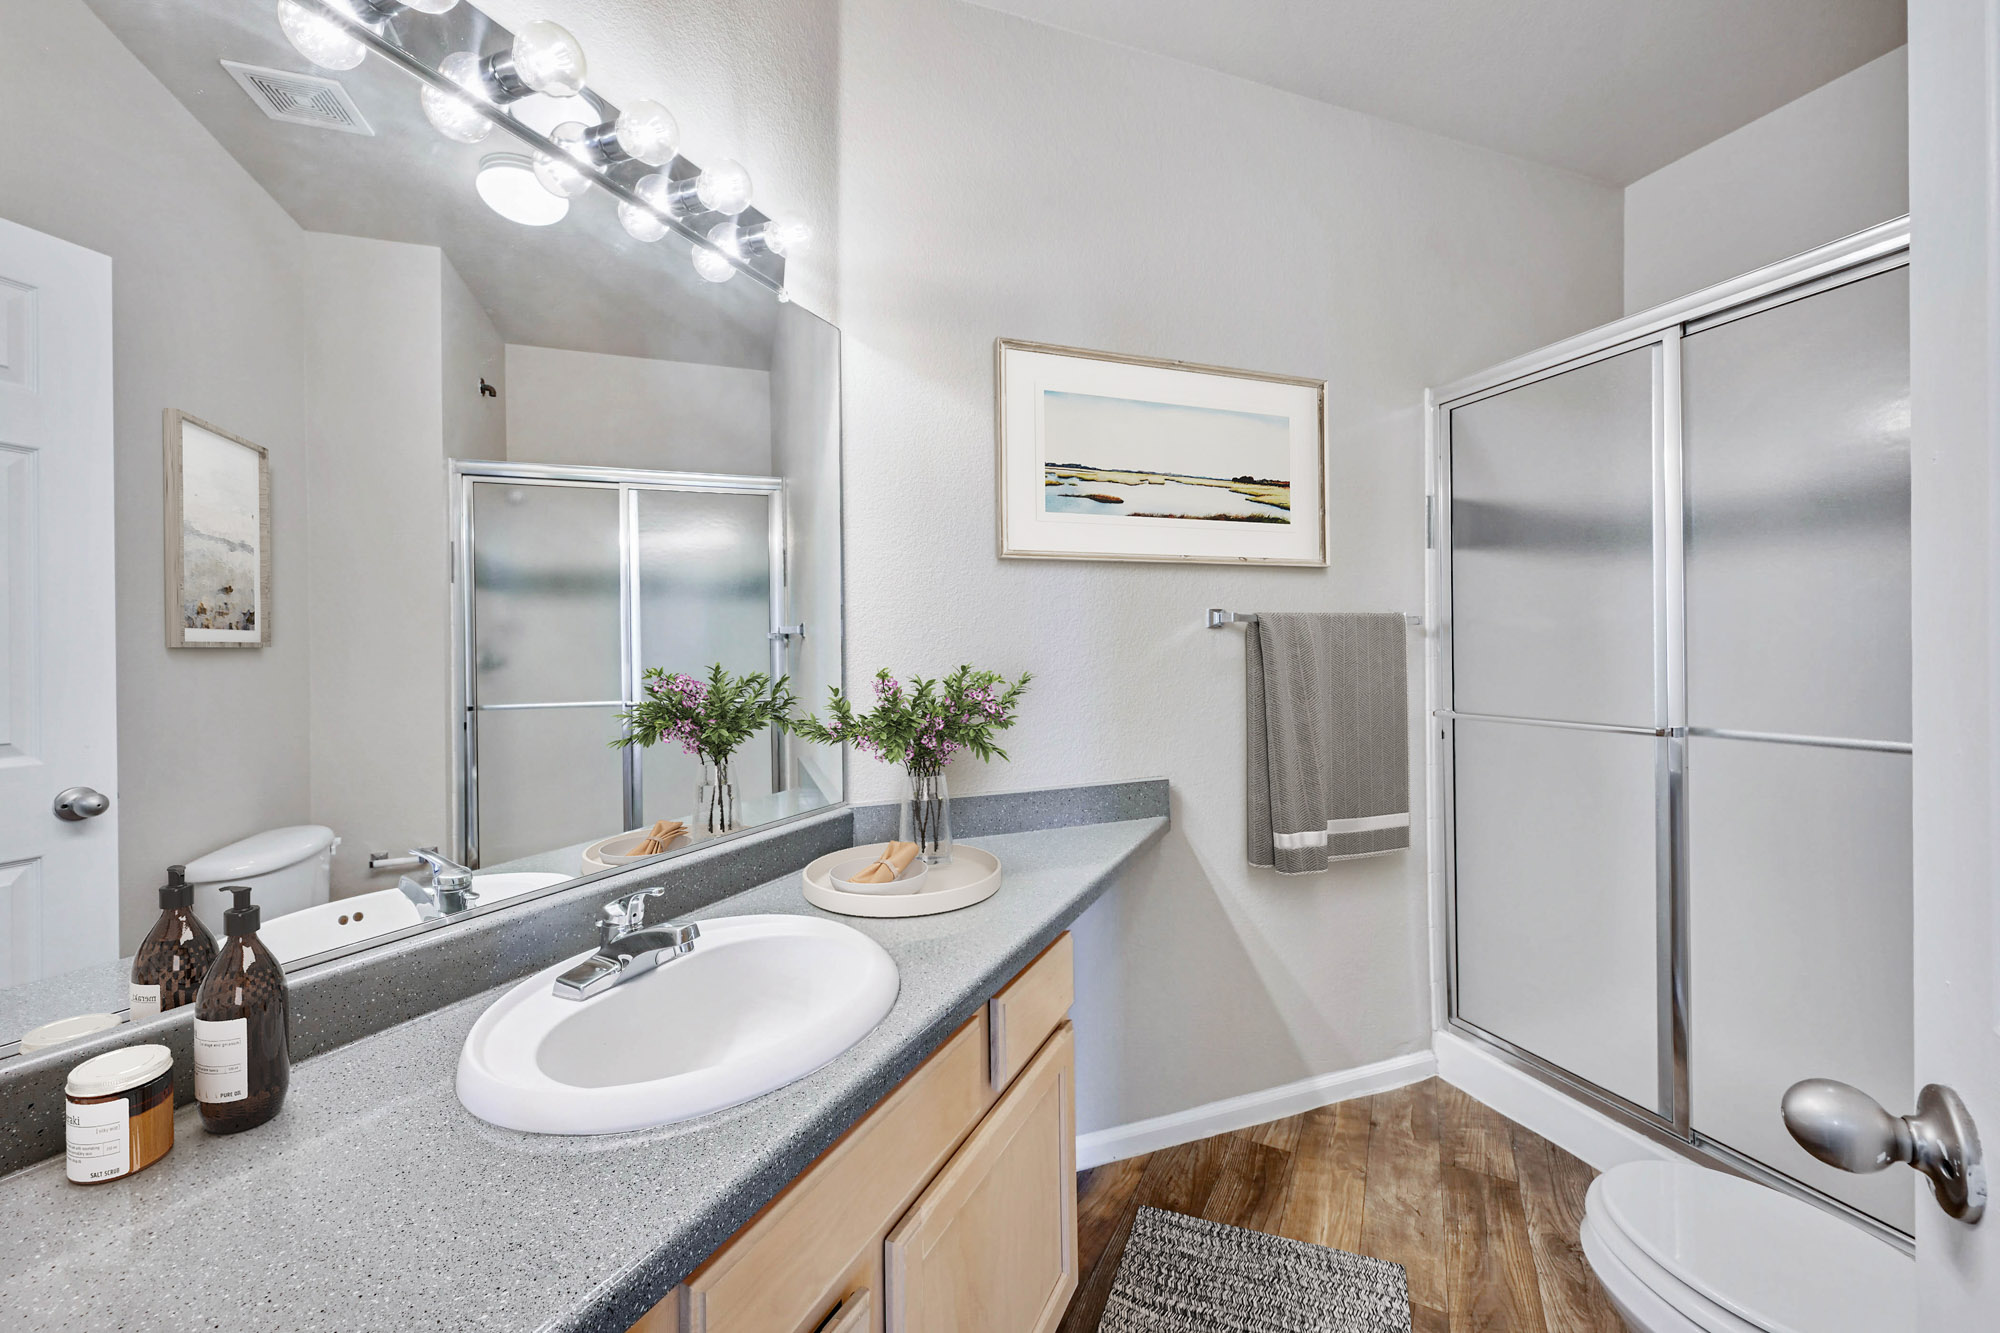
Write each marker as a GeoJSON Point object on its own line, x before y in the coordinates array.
{"type": "Point", "coordinates": [1107, 457]}
{"type": "Point", "coordinates": [218, 530]}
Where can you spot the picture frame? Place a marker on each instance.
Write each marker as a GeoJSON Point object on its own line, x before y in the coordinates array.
{"type": "Point", "coordinates": [1186, 463]}
{"type": "Point", "coordinates": [217, 522]}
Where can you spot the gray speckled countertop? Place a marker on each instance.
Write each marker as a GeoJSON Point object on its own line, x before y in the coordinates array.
{"type": "Point", "coordinates": [375, 1201]}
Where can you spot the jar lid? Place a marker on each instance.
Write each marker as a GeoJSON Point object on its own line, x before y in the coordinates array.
{"type": "Point", "coordinates": [66, 1029]}
{"type": "Point", "coordinates": [117, 1071]}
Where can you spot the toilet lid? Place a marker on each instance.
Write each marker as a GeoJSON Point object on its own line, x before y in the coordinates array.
{"type": "Point", "coordinates": [1774, 1261]}
{"type": "Point", "coordinates": [260, 854]}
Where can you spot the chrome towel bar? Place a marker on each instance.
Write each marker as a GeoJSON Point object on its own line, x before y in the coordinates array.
{"type": "Point", "coordinates": [1217, 618]}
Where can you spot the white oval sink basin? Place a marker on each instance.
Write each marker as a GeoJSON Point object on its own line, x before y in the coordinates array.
{"type": "Point", "coordinates": [333, 925]}
{"type": "Point", "coordinates": [760, 1002]}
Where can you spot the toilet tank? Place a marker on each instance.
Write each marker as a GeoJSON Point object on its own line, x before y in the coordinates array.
{"type": "Point", "coordinates": [290, 869]}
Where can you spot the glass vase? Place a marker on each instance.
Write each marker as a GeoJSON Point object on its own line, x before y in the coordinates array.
{"type": "Point", "coordinates": [925, 818]}
{"type": "Point", "coordinates": [715, 797]}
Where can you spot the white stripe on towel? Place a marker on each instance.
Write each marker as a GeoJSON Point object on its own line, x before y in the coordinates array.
{"type": "Point", "coordinates": [1318, 837]}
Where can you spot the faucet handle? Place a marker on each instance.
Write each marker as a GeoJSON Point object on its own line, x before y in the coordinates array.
{"type": "Point", "coordinates": [627, 913]}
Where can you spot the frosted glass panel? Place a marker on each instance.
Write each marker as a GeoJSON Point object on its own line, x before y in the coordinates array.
{"type": "Point", "coordinates": [704, 597]}
{"type": "Point", "coordinates": [1551, 546]}
{"type": "Point", "coordinates": [1556, 897]}
{"type": "Point", "coordinates": [548, 778]}
{"type": "Point", "coordinates": [545, 592]}
{"type": "Point", "coordinates": [1798, 486]}
{"type": "Point", "coordinates": [1800, 938]}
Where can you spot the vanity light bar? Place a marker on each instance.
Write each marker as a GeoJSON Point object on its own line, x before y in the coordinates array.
{"type": "Point", "coordinates": [738, 259]}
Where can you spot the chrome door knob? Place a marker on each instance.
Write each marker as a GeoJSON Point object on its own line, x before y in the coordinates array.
{"type": "Point", "coordinates": [1846, 1128]}
{"type": "Point", "coordinates": [77, 803]}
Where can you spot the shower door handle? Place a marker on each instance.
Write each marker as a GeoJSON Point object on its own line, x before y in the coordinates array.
{"type": "Point", "coordinates": [1846, 1128]}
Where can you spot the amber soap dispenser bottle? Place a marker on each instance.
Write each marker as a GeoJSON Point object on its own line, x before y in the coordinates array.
{"type": "Point", "coordinates": [174, 956]}
{"type": "Point", "coordinates": [242, 1028]}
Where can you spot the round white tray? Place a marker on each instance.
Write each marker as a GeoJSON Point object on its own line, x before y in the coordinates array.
{"type": "Point", "coordinates": [972, 876]}
{"type": "Point", "coordinates": [596, 857]}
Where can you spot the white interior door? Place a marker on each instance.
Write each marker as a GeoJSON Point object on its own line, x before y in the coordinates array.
{"type": "Point", "coordinates": [1955, 618]}
{"type": "Point", "coordinates": [58, 674]}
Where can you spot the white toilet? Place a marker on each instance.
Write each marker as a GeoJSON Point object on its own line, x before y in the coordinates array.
{"type": "Point", "coordinates": [1681, 1248]}
{"type": "Point", "coordinates": [290, 868]}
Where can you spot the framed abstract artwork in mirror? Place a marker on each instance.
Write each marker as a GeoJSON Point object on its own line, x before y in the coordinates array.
{"type": "Point", "coordinates": [218, 528]}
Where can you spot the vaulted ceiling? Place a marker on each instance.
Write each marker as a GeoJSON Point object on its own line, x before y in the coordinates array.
{"type": "Point", "coordinates": [1611, 89]}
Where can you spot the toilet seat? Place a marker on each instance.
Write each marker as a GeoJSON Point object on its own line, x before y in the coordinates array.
{"type": "Point", "coordinates": [1685, 1249]}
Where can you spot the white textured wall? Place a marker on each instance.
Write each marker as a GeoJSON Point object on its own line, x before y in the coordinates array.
{"type": "Point", "coordinates": [1000, 178]}
{"type": "Point", "coordinates": [380, 701]}
{"type": "Point", "coordinates": [475, 426]}
{"type": "Point", "coordinates": [1832, 163]}
{"type": "Point", "coordinates": [205, 299]}
{"type": "Point", "coordinates": [629, 411]}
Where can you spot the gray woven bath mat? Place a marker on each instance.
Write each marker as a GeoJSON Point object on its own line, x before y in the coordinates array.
{"type": "Point", "coordinates": [1186, 1275]}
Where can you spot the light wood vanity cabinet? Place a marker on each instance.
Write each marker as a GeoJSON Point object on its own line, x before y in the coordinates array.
{"type": "Point", "coordinates": [950, 1207]}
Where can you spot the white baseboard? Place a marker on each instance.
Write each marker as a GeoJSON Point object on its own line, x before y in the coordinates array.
{"type": "Point", "coordinates": [1527, 1101]}
{"type": "Point", "coordinates": [1252, 1108]}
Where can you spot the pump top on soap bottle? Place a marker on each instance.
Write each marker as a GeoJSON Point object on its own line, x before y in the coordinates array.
{"type": "Point", "coordinates": [242, 1027]}
{"type": "Point", "coordinates": [175, 955]}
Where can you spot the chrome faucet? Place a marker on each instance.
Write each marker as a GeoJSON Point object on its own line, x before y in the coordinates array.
{"type": "Point", "coordinates": [450, 889]}
{"type": "Point", "coordinates": [626, 948]}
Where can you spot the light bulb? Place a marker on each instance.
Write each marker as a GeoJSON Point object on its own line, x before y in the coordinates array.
{"type": "Point", "coordinates": [563, 173]}
{"type": "Point", "coordinates": [724, 188]}
{"type": "Point", "coordinates": [790, 237]}
{"type": "Point", "coordinates": [456, 115]}
{"type": "Point", "coordinates": [642, 224]}
{"type": "Point", "coordinates": [318, 38]}
{"type": "Point", "coordinates": [648, 131]}
{"type": "Point", "coordinates": [712, 264]}
{"type": "Point", "coordinates": [548, 59]}
{"type": "Point", "coordinates": [508, 184]}
{"type": "Point", "coordinates": [780, 238]}
{"type": "Point", "coordinates": [430, 6]}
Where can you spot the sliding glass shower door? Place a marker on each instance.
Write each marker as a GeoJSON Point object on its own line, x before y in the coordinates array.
{"type": "Point", "coordinates": [1674, 698]}
{"type": "Point", "coordinates": [1798, 680]}
{"type": "Point", "coordinates": [572, 582]}
{"type": "Point", "coordinates": [1554, 686]}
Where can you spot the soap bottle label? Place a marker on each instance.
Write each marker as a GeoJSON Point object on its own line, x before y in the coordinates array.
{"type": "Point", "coordinates": [98, 1139]}
{"type": "Point", "coordinates": [144, 1001]}
{"type": "Point", "coordinates": [221, 1060]}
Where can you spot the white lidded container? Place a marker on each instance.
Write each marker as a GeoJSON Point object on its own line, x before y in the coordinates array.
{"type": "Point", "coordinates": [290, 868]}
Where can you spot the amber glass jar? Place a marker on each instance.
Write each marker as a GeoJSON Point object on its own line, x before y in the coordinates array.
{"type": "Point", "coordinates": [118, 1113]}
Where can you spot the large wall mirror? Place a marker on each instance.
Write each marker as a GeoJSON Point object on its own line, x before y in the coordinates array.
{"type": "Point", "coordinates": [415, 461]}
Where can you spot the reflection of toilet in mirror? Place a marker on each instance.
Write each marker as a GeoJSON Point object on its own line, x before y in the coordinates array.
{"type": "Point", "coordinates": [291, 869]}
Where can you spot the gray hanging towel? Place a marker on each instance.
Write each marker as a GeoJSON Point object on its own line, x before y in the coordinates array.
{"type": "Point", "coordinates": [1328, 739]}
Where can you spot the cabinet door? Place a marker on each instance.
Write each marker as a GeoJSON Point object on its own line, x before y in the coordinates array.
{"type": "Point", "coordinates": [990, 1247]}
{"type": "Point", "coordinates": [822, 1237]}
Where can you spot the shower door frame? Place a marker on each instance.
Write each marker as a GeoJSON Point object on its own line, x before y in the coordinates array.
{"type": "Point", "coordinates": [628, 483]}
{"type": "Point", "coordinates": [1862, 255]}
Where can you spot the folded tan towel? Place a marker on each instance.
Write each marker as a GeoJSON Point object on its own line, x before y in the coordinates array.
{"type": "Point", "coordinates": [663, 833]}
{"type": "Point", "coordinates": [895, 859]}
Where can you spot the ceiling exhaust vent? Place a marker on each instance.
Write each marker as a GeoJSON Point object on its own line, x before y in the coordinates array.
{"type": "Point", "coordinates": [299, 99]}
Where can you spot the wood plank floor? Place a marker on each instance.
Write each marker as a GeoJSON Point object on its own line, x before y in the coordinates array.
{"type": "Point", "coordinates": [1482, 1213]}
